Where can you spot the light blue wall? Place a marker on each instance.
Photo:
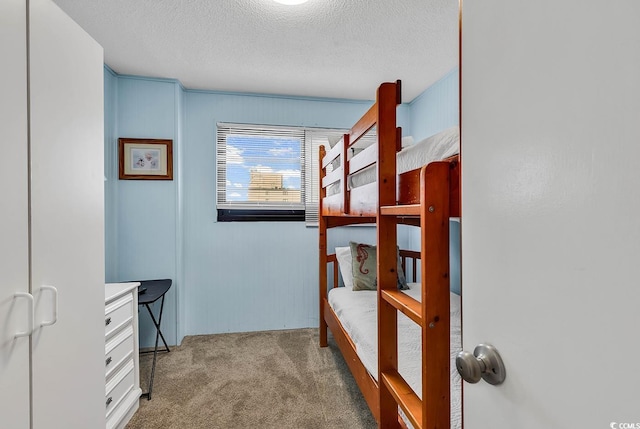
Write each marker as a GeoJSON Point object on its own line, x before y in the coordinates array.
{"type": "Point", "coordinates": [141, 216]}
{"type": "Point", "coordinates": [249, 276]}
{"type": "Point", "coordinates": [435, 110]}
{"type": "Point", "coordinates": [111, 174]}
{"type": "Point", "coordinates": [228, 277]}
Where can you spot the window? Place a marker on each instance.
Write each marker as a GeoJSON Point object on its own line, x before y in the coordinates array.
{"type": "Point", "coordinates": [268, 173]}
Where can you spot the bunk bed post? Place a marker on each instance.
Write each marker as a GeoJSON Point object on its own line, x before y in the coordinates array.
{"type": "Point", "coordinates": [434, 219]}
{"type": "Point", "coordinates": [322, 247]}
{"type": "Point", "coordinates": [346, 206]}
{"type": "Point", "coordinates": [388, 97]}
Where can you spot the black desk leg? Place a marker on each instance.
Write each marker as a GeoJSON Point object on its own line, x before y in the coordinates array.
{"type": "Point", "coordinates": [155, 350]}
{"type": "Point", "coordinates": [157, 325]}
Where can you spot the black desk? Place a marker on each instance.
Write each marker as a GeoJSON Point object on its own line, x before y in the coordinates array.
{"type": "Point", "coordinates": [149, 292]}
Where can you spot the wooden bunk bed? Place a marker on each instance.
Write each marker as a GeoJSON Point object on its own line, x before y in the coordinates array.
{"type": "Point", "coordinates": [426, 198]}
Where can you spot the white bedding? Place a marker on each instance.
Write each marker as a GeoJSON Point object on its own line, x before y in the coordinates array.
{"type": "Point", "coordinates": [357, 311]}
{"type": "Point", "coordinates": [434, 148]}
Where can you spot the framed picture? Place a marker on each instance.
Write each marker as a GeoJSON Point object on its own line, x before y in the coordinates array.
{"type": "Point", "coordinates": [145, 159]}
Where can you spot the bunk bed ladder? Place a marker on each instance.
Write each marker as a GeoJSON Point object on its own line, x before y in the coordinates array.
{"type": "Point", "coordinates": [432, 314]}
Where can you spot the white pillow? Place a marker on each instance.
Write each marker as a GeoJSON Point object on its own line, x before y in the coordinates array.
{"type": "Point", "coordinates": [343, 255]}
{"type": "Point", "coordinates": [444, 144]}
{"type": "Point", "coordinates": [407, 141]}
{"type": "Point", "coordinates": [333, 140]}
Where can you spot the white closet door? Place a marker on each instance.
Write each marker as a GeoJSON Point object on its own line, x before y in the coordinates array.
{"type": "Point", "coordinates": [14, 257]}
{"type": "Point", "coordinates": [66, 81]}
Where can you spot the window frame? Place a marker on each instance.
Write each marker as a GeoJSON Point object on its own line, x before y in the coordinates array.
{"type": "Point", "coordinates": [307, 209]}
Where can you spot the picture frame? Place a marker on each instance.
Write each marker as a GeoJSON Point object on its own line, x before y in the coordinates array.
{"type": "Point", "coordinates": [145, 159]}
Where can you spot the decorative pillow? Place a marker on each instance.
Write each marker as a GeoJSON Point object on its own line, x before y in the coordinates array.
{"type": "Point", "coordinates": [364, 266]}
{"type": "Point", "coordinates": [402, 279]}
{"type": "Point", "coordinates": [363, 259]}
{"type": "Point", "coordinates": [343, 254]}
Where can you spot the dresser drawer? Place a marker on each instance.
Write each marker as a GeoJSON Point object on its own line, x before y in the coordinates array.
{"type": "Point", "coordinates": [118, 314]}
{"type": "Point", "coordinates": [118, 350]}
{"type": "Point", "coordinates": [119, 386]}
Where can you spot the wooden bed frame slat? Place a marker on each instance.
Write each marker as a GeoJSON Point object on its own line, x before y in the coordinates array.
{"type": "Point", "coordinates": [332, 205]}
{"type": "Point", "coordinates": [332, 177]}
{"type": "Point", "coordinates": [404, 303]}
{"type": "Point", "coordinates": [364, 159]}
{"type": "Point", "coordinates": [335, 221]}
{"type": "Point", "coordinates": [362, 202]}
{"type": "Point", "coordinates": [404, 395]}
{"type": "Point", "coordinates": [409, 187]}
{"type": "Point", "coordinates": [401, 210]}
{"type": "Point", "coordinates": [364, 124]}
{"type": "Point", "coordinates": [332, 154]}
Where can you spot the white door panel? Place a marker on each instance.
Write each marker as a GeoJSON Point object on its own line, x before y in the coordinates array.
{"type": "Point", "coordinates": [14, 252]}
{"type": "Point", "coordinates": [550, 230]}
{"type": "Point", "coordinates": [67, 220]}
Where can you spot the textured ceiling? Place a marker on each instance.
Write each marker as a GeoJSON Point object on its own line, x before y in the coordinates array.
{"type": "Point", "coordinates": [323, 48]}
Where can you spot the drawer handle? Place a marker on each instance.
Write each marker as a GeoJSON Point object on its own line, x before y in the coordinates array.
{"type": "Point", "coordinates": [107, 322]}
{"type": "Point", "coordinates": [108, 361]}
{"type": "Point", "coordinates": [110, 400]}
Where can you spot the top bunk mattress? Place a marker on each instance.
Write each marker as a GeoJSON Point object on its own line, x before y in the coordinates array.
{"type": "Point", "coordinates": [358, 314]}
{"type": "Point", "coordinates": [434, 148]}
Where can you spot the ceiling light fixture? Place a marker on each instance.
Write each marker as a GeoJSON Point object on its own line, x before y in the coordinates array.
{"type": "Point", "coordinates": [291, 2]}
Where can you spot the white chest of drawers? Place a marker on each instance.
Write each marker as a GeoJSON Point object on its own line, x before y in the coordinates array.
{"type": "Point", "coordinates": [122, 393]}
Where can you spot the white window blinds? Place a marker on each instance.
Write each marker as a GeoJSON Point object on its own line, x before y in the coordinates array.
{"type": "Point", "coordinates": [269, 169]}
{"type": "Point", "coordinates": [315, 138]}
{"type": "Point", "coordinates": [260, 167]}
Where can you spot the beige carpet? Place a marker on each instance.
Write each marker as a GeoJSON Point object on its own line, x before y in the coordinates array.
{"type": "Point", "coordinates": [275, 379]}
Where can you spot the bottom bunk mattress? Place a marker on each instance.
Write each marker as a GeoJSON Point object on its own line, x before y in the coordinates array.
{"type": "Point", "coordinates": [358, 314]}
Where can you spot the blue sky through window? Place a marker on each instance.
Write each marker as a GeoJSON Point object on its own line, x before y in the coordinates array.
{"type": "Point", "coordinates": [244, 154]}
